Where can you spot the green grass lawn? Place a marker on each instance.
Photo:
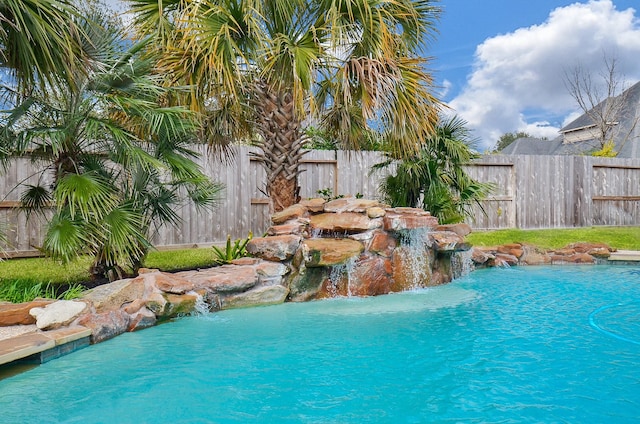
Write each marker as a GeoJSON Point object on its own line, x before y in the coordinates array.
{"type": "Point", "coordinates": [22, 279]}
{"type": "Point", "coordinates": [623, 238]}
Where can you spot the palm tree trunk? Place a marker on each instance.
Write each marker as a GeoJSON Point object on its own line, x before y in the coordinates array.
{"type": "Point", "coordinates": [281, 144]}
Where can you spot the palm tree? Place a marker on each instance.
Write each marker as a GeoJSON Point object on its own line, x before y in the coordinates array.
{"type": "Point", "coordinates": [259, 69]}
{"type": "Point", "coordinates": [434, 178]}
{"type": "Point", "coordinates": [40, 41]}
{"type": "Point", "coordinates": [114, 159]}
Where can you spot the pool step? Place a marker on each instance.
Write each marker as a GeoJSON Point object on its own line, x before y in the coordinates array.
{"type": "Point", "coordinates": [43, 346]}
{"type": "Point", "coordinates": [625, 255]}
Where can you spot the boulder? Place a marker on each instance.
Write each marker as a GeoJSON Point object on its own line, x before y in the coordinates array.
{"type": "Point", "coordinates": [399, 219]}
{"type": "Point", "coordinates": [225, 279]}
{"type": "Point", "coordinates": [480, 256]}
{"type": "Point", "coordinates": [306, 283]}
{"type": "Point", "coordinates": [600, 250]}
{"type": "Point", "coordinates": [376, 212]}
{"type": "Point", "coordinates": [347, 222]}
{"type": "Point", "coordinates": [106, 325]}
{"type": "Point", "coordinates": [382, 244]}
{"type": "Point", "coordinates": [371, 276]}
{"type": "Point", "coordinates": [534, 256]}
{"type": "Point", "coordinates": [315, 205]}
{"type": "Point", "coordinates": [58, 314]}
{"type": "Point", "coordinates": [133, 307]}
{"type": "Point", "coordinates": [142, 319]}
{"type": "Point", "coordinates": [460, 229]}
{"type": "Point", "coordinates": [350, 204]}
{"type": "Point", "coordinates": [168, 305]}
{"type": "Point", "coordinates": [277, 248]}
{"type": "Point", "coordinates": [447, 241]}
{"type": "Point", "coordinates": [112, 296]}
{"type": "Point", "coordinates": [171, 283]}
{"type": "Point", "coordinates": [271, 272]}
{"type": "Point", "coordinates": [298, 226]}
{"type": "Point", "coordinates": [581, 258]}
{"type": "Point", "coordinates": [18, 313]}
{"type": "Point", "coordinates": [504, 259]}
{"type": "Point", "coordinates": [260, 296]}
{"type": "Point", "coordinates": [328, 252]}
{"type": "Point", "coordinates": [156, 302]}
{"type": "Point", "coordinates": [179, 304]}
{"type": "Point", "coordinates": [292, 212]}
{"type": "Point", "coordinates": [514, 249]}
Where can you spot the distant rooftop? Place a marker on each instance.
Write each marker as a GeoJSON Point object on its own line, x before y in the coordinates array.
{"type": "Point", "coordinates": [577, 138]}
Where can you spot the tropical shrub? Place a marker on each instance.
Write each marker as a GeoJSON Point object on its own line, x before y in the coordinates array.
{"type": "Point", "coordinates": [113, 156]}
{"type": "Point", "coordinates": [434, 178]}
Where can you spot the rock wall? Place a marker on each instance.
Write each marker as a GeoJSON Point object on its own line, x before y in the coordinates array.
{"type": "Point", "coordinates": [314, 250]}
{"type": "Point", "coordinates": [358, 247]}
{"type": "Point", "coordinates": [522, 254]}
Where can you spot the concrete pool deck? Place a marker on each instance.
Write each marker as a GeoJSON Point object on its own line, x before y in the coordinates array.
{"type": "Point", "coordinates": [625, 255]}
{"type": "Point", "coordinates": [41, 346]}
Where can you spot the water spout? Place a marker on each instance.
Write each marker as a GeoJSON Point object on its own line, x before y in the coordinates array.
{"type": "Point", "coordinates": [461, 264]}
{"type": "Point", "coordinates": [201, 307]}
{"type": "Point", "coordinates": [416, 246]}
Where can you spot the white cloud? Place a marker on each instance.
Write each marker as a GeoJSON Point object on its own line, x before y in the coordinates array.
{"type": "Point", "coordinates": [524, 70]}
{"type": "Point", "coordinates": [445, 88]}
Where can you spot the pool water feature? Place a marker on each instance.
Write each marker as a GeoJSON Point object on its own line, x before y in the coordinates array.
{"type": "Point", "coordinates": [500, 345]}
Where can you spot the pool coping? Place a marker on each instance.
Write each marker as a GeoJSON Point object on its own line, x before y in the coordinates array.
{"type": "Point", "coordinates": [42, 346]}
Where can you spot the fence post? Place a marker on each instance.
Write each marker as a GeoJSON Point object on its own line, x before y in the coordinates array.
{"type": "Point", "coordinates": [583, 207]}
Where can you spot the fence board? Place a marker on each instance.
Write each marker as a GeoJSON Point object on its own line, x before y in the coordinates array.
{"type": "Point", "coordinates": [531, 192]}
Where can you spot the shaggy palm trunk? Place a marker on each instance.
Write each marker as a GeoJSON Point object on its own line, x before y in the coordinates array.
{"type": "Point", "coordinates": [281, 145]}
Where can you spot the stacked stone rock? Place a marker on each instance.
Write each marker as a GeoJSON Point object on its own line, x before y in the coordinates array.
{"type": "Point", "coordinates": [523, 254]}
{"type": "Point", "coordinates": [293, 262]}
{"type": "Point", "coordinates": [314, 237]}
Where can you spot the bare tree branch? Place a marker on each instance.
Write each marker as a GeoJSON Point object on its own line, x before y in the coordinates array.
{"type": "Point", "coordinates": [602, 101]}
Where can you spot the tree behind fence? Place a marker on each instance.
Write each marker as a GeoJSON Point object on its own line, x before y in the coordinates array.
{"type": "Point", "coordinates": [531, 192]}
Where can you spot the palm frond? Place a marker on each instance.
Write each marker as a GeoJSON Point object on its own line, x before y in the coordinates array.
{"type": "Point", "coordinates": [85, 195]}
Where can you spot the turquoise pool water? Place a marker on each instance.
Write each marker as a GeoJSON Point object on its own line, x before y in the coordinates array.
{"type": "Point", "coordinates": [502, 345]}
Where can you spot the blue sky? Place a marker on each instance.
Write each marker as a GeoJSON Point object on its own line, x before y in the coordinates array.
{"type": "Point", "coordinates": [500, 64]}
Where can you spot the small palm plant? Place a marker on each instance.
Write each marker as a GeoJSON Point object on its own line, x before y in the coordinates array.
{"type": "Point", "coordinates": [115, 161]}
{"type": "Point", "coordinates": [434, 178]}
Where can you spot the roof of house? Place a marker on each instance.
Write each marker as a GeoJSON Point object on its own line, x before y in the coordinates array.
{"type": "Point", "coordinates": [626, 136]}
{"type": "Point", "coordinates": [532, 146]}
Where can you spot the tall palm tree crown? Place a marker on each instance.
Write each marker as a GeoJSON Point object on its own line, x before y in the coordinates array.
{"type": "Point", "coordinates": [258, 69]}
{"type": "Point", "coordinates": [40, 40]}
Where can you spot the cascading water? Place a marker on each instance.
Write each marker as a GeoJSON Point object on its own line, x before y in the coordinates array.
{"type": "Point", "coordinates": [415, 246]}
{"type": "Point", "coordinates": [338, 274]}
{"type": "Point", "coordinates": [461, 263]}
{"type": "Point", "coordinates": [201, 307]}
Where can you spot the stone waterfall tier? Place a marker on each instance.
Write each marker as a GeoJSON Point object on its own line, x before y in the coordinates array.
{"type": "Point", "coordinates": [358, 247]}
{"type": "Point", "coordinates": [314, 250]}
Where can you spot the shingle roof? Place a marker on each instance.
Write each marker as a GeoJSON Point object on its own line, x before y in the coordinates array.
{"type": "Point", "coordinates": [532, 146]}
{"type": "Point", "coordinates": [626, 136]}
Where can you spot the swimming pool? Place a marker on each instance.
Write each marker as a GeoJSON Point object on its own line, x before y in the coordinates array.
{"type": "Point", "coordinates": [501, 345]}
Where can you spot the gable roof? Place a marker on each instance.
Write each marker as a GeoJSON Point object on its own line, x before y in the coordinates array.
{"type": "Point", "coordinates": [532, 146]}
{"type": "Point", "coordinates": [626, 136]}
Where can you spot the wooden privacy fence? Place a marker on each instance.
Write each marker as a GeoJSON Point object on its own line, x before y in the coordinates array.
{"type": "Point", "coordinates": [244, 207]}
{"type": "Point", "coordinates": [558, 191]}
{"type": "Point", "coordinates": [531, 192]}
